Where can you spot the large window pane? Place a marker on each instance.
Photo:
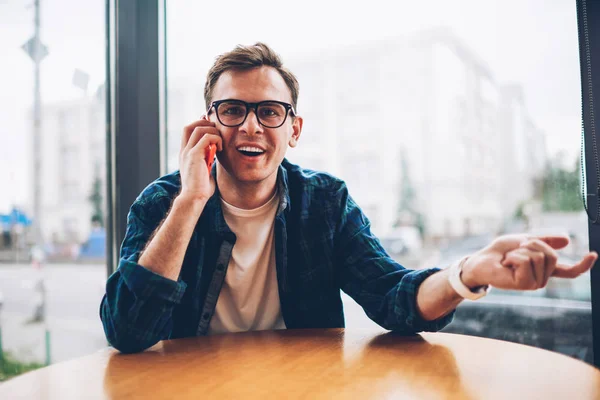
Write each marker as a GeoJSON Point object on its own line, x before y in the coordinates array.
{"type": "Point", "coordinates": [52, 176]}
{"type": "Point", "coordinates": [451, 122]}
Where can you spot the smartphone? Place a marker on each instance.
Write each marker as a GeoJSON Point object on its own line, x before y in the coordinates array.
{"type": "Point", "coordinates": [211, 150]}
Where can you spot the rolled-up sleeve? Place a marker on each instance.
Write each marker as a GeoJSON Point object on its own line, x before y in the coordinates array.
{"type": "Point", "coordinates": [136, 310]}
{"type": "Point", "coordinates": [385, 289]}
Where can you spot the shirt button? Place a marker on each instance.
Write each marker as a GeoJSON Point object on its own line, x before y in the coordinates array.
{"type": "Point", "coordinates": [206, 315]}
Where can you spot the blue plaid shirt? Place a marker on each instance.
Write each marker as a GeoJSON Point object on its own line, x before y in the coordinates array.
{"type": "Point", "coordinates": [323, 243]}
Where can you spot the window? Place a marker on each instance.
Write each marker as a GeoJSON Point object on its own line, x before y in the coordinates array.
{"type": "Point", "coordinates": [485, 133]}
{"type": "Point", "coordinates": [51, 285]}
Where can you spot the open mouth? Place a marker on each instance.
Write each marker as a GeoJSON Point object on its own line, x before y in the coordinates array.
{"type": "Point", "coordinates": [251, 151]}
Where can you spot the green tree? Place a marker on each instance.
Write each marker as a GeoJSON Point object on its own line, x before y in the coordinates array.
{"type": "Point", "coordinates": [407, 191]}
{"type": "Point", "coordinates": [406, 205]}
{"type": "Point", "coordinates": [561, 188]}
{"type": "Point", "coordinates": [96, 200]}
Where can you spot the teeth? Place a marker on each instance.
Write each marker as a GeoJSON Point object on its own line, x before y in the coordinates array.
{"type": "Point", "coordinates": [251, 149]}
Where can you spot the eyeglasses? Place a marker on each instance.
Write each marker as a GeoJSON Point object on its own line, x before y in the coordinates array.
{"type": "Point", "coordinates": [269, 113]}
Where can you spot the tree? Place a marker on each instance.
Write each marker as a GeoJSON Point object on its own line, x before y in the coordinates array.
{"type": "Point", "coordinates": [96, 200]}
{"type": "Point", "coordinates": [406, 206]}
{"type": "Point", "coordinates": [407, 191]}
{"type": "Point", "coordinates": [561, 187]}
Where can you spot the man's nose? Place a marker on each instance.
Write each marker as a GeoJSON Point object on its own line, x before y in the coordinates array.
{"type": "Point", "coordinates": [251, 124]}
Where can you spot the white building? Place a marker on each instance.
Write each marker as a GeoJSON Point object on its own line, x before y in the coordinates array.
{"type": "Point", "coordinates": [73, 148]}
{"type": "Point", "coordinates": [468, 140]}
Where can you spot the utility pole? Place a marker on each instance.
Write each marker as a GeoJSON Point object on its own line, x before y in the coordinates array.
{"type": "Point", "coordinates": [37, 169]}
{"type": "Point", "coordinates": [37, 51]}
{"type": "Point", "coordinates": [37, 125]}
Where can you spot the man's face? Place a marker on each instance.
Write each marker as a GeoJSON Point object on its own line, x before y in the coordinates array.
{"type": "Point", "coordinates": [255, 85]}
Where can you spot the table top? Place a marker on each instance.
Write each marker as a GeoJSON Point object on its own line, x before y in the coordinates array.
{"type": "Point", "coordinates": [316, 364]}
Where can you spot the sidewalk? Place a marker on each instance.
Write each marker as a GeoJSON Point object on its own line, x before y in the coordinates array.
{"type": "Point", "coordinates": [69, 338]}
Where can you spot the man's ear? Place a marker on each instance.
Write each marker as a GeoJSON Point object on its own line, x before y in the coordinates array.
{"type": "Point", "coordinates": [296, 131]}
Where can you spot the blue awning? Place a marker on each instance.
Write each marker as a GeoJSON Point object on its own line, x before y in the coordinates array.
{"type": "Point", "coordinates": [15, 217]}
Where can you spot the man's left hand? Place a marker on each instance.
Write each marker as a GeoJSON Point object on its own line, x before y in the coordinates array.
{"type": "Point", "coordinates": [521, 262]}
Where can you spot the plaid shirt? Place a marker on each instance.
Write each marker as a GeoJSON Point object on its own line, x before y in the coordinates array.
{"type": "Point", "coordinates": [323, 243]}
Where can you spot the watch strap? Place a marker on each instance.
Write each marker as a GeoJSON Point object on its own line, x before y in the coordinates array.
{"type": "Point", "coordinates": [458, 285]}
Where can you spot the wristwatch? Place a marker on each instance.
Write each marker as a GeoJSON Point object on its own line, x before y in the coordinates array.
{"type": "Point", "coordinates": [457, 284]}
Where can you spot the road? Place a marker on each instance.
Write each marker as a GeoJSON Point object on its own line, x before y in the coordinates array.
{"type": "Point", "coordinates": [73, 295]}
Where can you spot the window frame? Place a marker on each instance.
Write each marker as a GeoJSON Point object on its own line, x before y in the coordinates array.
{"type": "Point", "coordinates": [135, 108]}
{"type": "Point", "coordinates": [136, 113]}
{"type": "Point", "coordinates": [589, 57]}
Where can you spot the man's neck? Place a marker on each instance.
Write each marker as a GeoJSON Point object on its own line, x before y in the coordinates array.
{"type": "Point", "coordinates": [247, 196]}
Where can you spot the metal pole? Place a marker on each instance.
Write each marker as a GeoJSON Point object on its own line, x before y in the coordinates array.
{"type": "Point", "coordinates": [37, 162]}
{"type": "Point", "coordinates": [48, 358]}
{"type": "Point", "coordinates": [37, 123]}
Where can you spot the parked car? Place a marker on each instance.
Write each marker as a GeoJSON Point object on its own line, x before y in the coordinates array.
{"type": "Point", "coordinates": [551, 324]}
{"type": "Point", "coordinates": [557, 317]}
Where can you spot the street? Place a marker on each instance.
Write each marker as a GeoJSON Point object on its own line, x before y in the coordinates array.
{"type": "Point", "coordinates": [73, 295]}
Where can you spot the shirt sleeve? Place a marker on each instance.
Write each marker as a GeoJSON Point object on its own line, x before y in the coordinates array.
{"type": "Point", "coordinates": [385, 289]}
{"type": "Point", "coordinates": [136, 310]}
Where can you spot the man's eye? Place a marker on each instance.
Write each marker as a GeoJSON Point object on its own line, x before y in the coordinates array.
{"type": "Point", "coordinates": [233, 111]}
{"type": "Point", "coordinates": [268, 112]}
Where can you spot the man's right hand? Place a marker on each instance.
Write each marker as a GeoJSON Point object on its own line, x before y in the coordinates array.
{"type": "Point", "coordinates": [196, 182]}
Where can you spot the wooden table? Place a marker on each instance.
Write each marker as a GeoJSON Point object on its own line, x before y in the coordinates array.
{"type": "Point", "coordinates": [316, 364]}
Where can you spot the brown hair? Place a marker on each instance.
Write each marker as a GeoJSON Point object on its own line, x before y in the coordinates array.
{"type": "Point", "coordinates": [245, 58]}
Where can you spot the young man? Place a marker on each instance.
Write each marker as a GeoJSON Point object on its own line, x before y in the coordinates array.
{"type": "Point", "coordinates": [258, 243]}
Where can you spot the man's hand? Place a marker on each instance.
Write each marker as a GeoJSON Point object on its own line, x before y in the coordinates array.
{"type": "Point", "coordinates": [196, 182]}
{"type": "Point", "coordinates": [521, 262]}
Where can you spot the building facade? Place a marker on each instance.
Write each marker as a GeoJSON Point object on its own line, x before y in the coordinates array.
{"type": "Point", "coordinates": [472, 150]}
{"type": "Point", "coordinates": [73, 155]}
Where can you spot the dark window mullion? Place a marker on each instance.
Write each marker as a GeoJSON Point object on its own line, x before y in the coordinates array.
{"type": "Point", "coordinates": [588, 15]}
{"type": "Point", "coordinates": [135, 92]}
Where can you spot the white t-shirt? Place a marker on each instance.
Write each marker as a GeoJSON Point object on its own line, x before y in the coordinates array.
{"type": "Point", "coordinates": [249, 298]}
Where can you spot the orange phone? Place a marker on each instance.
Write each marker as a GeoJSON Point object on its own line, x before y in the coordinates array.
{"type": "Point", "coordinates": [211, 150]}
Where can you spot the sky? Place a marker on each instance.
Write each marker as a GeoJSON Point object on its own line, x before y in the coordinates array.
{"type": "Point", "coordinates": [530, 42]}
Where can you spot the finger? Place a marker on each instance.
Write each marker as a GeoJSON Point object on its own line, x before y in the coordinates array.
{"type": "Point", "coordinates": [510, 242]}
{"type": "Point", "coordinates": [204, 142]}
{"type": "Point", "coordinates": [556, 242]}
{"type": "Point", "coordinates": [537, 260]}
{"type": "Point", "coordinates": [188, 130]}
{"type": "Point", "coordinates": [503, 273]}
{"type": "Point", "coordinates": [198, 133]}
{"type": "Point", "coordinates": [550, 255]}
{"type": "Point", "coordinates": [523, 277]}
{"type": "Point", "coordinates": [573, 271]}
